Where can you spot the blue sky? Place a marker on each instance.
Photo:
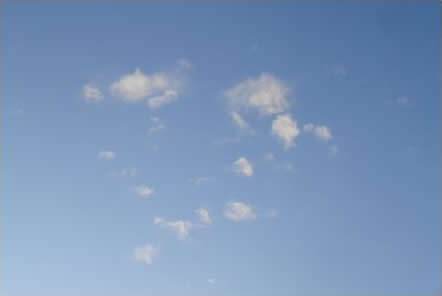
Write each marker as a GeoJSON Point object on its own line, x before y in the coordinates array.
{"type": "Point", "coordinates": [220, 148]}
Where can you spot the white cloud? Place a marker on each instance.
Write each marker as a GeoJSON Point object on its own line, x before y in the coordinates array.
{"type": "Point", "coordinates": [166, 97]}
{"type": "Point", "coordinates": [203, 215]}
{"type": "Point", "coordinates": [146, 253]}
{"type": "Point", "coordinates": [238, 211]}
{"type": "Point", "coordinates": [157, 89]}
{"type": "Point", "coordinates": [266, 93]}
{"type": "Point", "coordinates": [106, 154]}
{"type": "Point", "coordinates": [286, 129]}
{"type": "Point", "coordinates": [211, 281]}
{"type": "Point", "coordinates": [181, 227]}
{"type": "Point", "coordinates": [92, 93]}
{"type": "Point", "coordinates": [322, 132]}
{"type": "Point", "coordinates": [243, 167]}
{"type": "Point", "coordinates": [143, 190]}
{"type": "Point", "coordinates": [238, 120]}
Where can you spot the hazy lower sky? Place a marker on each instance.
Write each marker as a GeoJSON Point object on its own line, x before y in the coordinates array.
{"type": "Point", "coordinates": [220, 148]}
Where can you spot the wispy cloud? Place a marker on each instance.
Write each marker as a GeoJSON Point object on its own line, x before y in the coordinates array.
{"type": "Point", "coordinates": [180, 227]}
{"type": "Point", "coordinates": [92, 94]}
{"type": "Point", "coordinates": [107, 154]}
{"type": "Point", "coordinates": [146, 254]}
{"type": "Point", "coordinates": [238, 211]}
{"type": "Point", "coordinates": [143, 190]}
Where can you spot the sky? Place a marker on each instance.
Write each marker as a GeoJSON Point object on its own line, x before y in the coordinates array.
{"type": "Point", "coordinates": [220, 148]}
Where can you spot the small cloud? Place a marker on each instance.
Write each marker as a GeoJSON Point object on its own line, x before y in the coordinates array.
{"type": "Point", "coordinates": [184, 63]}
{"type": "Point", "coordinates": [143, 190]}
{"type": "Point", "coordinates": [180, 227]}
{"type": "Point", "coordinates": [286, 129]}
{"type": "Point", "coordinates": [404, 101]}
{"type": "Point", "coordinates": [322, 132]}
{"type": "Point", "coordinates": [211, 281]}
{"type": "Point", "coordinates": [272, 213]}
{"type": "Point", "coordinates": [156, 89]}
{"type": "Point", "coordinates": [242, 166]}
{"type": "Point", "coordinates": [238, 120]}
{"type": "Point", "coordinates": [227, 140]}
{"type": "Point", "coordinates": [106, 154]}
{"type": "Point", "coordinates": [269, 156]}
{"type": "Point", "coordinates": [145, 254]}
{"type": "Point", "coordinates": [199, 180]}
{"type": "Point", "coordinates": [125, 172]}
{"type": "Point", "coordinates": [340, 71]}
{"type": "Point", "coordinates": [92, 94]}
{"type": "Point", "coordinates": [286, 166]}
{"type": "Point", "coordinates": [203, 215]}
{"type": "Point", "coordinates": [238, 211]}
{"type": "Point", "coordinates": [157, 125]}
{"type": "Point", "coordinates": [265, 93]}
{"type": "Point", "coordinates": [333, 150]}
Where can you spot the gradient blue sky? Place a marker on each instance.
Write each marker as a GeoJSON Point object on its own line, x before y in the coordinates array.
{"type": "Point", "coordinates": [352, 209]}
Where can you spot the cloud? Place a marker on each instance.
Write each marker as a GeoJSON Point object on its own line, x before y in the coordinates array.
{"type": "Point", "coordinates": [199, 180]}
{"type": "Point", "coordinates": [124, 172]}
{"type": "Point", "coordinates": [238, 120]}
{"type": "Point", "coordinates": [286, 129]}
{"type": "Point", "coordinates": [340, 71]}
{"type": "Point", "coordinates": [180, 227]}
{"type": "Point", "coordinates": [203, 215]}
{"type": "Point", "coordinates": [146, 253]}
{"type": "Point", "coordinates": [166, 97]}
{"type": "Point", "coordinates": [238, 211]}
{"type": "Point", "coordinates": [322, 132]}
{"type": "Point", "coordinates": [157, 125]}
{"type": "Point", "coordinates": [184, 63]}
{"type": "Point", "coordinates": [403, 101]}
{"type": "Point", "coordinates": [272, 213]}
{"type": "Point", "coordinates": [156, 89]}
{"type": "Point", "coordinates": [106, 154]}
{"type": "Point", "coordinates": [211, 281]}
{"type": "Point", "coordinates": [143, 190]}
{"type": "Point", "coordinates": [269, 156]}
{"type": "Point", "coordinates": [265, 93]}
{"type": "Point", "coordinates": [334, 150]}
{"type": "Point", "coordinates": [243, 167]}
{"type": "Point", "coordinates": [92, 94]}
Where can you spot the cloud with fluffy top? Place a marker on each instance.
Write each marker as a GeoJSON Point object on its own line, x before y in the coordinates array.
{"type": "Point", "coordinates": [92, 94]}
{"type": "Point", "coordinates": [180, 227]}
{"type": "Point", "coordinates": [238, 211]}
{"type": "Point", "coordinates": [146, 253]}
{"type": "Point", "coordinates": [143, 191]}
{"type": "Point", "coordinates": [286, 129]}
{"type": "Point", "coordinates": [265, 93]}
{"type": "Point", "coordinates": [322, 132]}
{"type": "Point", "coordinates": [203, 215]}
{"type": "Point", "coordinates": [243, 167]}
{"type": "Point", "coordinates": [156, 89]}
